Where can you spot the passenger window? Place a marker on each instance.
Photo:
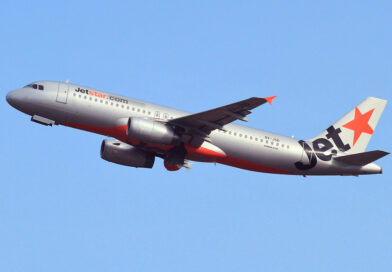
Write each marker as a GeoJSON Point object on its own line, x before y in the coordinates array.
{"type": "Point", "coordinates": [246, 136]}
{"type": "Point", "coordinates": [250, 138]}
{"type": "Point", "coordinates": [256, 139]}
{"type": "Point", "coordinates": [235, 133]}
{"type": "Point", "coordinates": [138, 110]}
{"type": "Point", "coordinates": [127, 107]}
{"type": "Point", "coordinates": [96, 99]}
{"type": "Point", "coordinates": [122, 106]}
{"type": "Point", "coordinates": [144, 111]}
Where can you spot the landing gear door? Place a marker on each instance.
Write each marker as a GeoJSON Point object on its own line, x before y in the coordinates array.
{"type": "Point", "coordinates": [62, 93]}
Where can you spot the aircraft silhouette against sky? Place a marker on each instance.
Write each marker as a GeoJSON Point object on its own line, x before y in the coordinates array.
{"type": "Point", "coordinates": [143, 131]}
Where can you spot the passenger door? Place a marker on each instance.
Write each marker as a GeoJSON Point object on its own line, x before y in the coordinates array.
{"type": "Point", "coordinates": [62, 93]}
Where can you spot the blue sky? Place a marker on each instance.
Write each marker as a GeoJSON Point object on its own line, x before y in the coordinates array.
{"type": "Point", "coordinates": [62, 208]}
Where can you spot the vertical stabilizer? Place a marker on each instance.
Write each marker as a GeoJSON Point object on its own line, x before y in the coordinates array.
{"type": "Point", "coordinates": [351, 134]}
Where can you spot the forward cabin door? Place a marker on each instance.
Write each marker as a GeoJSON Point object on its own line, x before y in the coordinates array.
{"type": "Point", "coordinates": [62, 93]}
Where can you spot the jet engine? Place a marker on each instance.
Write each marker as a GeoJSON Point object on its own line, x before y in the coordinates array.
{"type": "Point", "coordinates": [124, 154]}
{"type": "Point", "coordinates": [151, 132]}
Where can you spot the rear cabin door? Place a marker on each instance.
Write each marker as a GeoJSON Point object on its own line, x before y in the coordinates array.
{"type": "Point", "coordinates": [62, 93]}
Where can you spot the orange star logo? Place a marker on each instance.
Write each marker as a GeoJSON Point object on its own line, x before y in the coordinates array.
{"type": "Point", "coordinates": [360, 124]}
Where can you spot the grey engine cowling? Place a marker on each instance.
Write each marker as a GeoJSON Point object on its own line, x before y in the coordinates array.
{"type": "Point", "coordinates": [151, 132]}
{"type": "Point", "coordinates": [124, 154]}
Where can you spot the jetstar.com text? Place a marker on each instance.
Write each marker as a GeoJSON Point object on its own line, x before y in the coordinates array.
{"type": "Point", "coordinates": [101, 95]}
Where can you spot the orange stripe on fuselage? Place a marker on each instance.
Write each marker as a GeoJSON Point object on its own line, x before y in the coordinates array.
{"type": "Point", "coordinates": [119, 133]}
{"type": "Point", "coordinates": [211, 155]}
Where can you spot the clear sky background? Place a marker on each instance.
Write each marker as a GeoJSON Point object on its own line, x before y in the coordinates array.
{"type": "Point", "coordinates": [62, 208]}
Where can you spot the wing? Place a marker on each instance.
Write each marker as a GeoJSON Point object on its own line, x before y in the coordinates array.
{"type": "Point", "coordinates": [204, 122]}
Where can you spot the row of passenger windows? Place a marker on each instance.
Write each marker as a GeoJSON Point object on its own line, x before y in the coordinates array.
{"type": "Point", "coordinates": [127, 107]}
{"type": "Point", "coordinates": [256, 139]}
{"type": "Point", "coordinates": [166, 116]}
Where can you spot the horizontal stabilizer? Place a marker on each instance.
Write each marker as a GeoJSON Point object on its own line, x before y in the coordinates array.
{"type": "Point", "coordinates": [362, 159]}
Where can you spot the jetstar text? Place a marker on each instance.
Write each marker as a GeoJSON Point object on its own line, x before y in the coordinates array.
{"type": "Point", "coordinates": [101, 95]}
{"type": "Point", "coordinates": [320, 148]}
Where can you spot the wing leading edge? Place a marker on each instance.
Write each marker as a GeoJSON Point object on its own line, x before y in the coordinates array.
{"type": "Point", "coordinates": [202, 123]}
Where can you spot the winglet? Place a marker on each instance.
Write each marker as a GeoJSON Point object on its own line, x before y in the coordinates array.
{"type": "Point", "coordinates": [269, 99]}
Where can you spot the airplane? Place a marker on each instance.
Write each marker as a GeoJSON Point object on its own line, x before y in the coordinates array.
{"type": "Point", "coordinates": [142, 131]}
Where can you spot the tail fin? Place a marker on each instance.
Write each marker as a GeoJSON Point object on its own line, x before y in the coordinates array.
{"type": "Point", "coordinates": [351, 134]}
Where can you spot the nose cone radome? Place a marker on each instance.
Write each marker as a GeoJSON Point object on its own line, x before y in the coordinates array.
{"type": "Point", "coordinates": [18, 99]}
{"type": "Point", "coordinates": [11, 98]}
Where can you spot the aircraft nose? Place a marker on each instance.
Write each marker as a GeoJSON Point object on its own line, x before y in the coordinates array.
{"type": "Point", "coordinates": [10, 97]}
{"type": "Point", "coordinates": [16, 98]}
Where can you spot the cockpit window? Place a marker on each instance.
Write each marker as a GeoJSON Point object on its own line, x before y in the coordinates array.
{"type": "Point", "coordinates": [35, 86]}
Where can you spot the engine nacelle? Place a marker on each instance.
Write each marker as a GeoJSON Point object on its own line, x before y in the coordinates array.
{"type": "Point", "coordinates": [124, 154]}
{"type": "Point", "coordinates": [151, 132]}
